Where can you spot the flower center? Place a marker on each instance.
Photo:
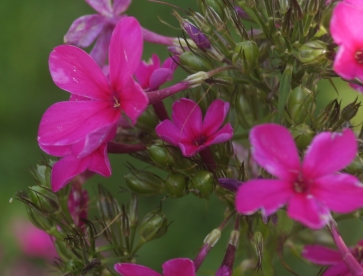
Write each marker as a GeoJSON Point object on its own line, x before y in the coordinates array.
{"type": "Point", "coordinates": [116, 103]}
{"type": "Point", "coordinates": [300, 185]}
{"type": "Point", "coordinates": [199, 141]}
{"type": "Point", "coordinates": [359, 56]}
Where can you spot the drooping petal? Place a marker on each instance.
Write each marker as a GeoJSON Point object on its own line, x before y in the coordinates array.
{"type": "Point", "coordinates": [58, 151]}
{"type": "Point", "coordinates": [99, 52]}
{"type": "Point", "coordinates": [215, 116]}
{"type": "Point", "coordinates": [125, 51]}
{"type": "Point", "coordinates": [222, 135]}
{"type": "Point", "coordinates": [126, 269]}
{"type": "Point", "coordinates": [307, 210]}
{"type": "Point", "coordinates": [345, 64]}
{"type": "Point", "coordinates": [179, 267]}
{"type": "Point", "coordinates": [339, 269]}
{"type": "Point", "coordinates": [159, 77]}
{"type": "Point", "coordinates": [66, 123]}
{"type": "Point", "coordinates": [341, 193]}
{"type": "Point", "coordinates": [266, 194]}
{"type": "Point", "coordinates": [120, 6]}
{"type": "Point", "coordinates": [73, 70]}
{"type": "Point", "coordinates": [190, 149]}
{"type": "Point", "coordinates": [145, 69]}
{"type": "Point", "coordinates": [323, 255]}
{"type": "Point", "coordinates": [171, 63]}
{"type": "Point", "coordinates": [273, 148]}
{"type": "Point", "coordinates": [328, 153]}
{"type": "Point", "coordinates": [84, 30]}
{"type": "Point", "coordinates": [168, 132]}
{"type": "Point", "coordinates": [99, 162]}
{"type": "Point", "coordinates": [102, 6]}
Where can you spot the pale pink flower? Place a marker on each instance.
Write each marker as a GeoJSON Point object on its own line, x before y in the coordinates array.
{"type": "Point", "coordinates": [190, 132]}
{"type": "Point", "coordinates": [174, 267]}
{"type": "Point", "coordinates": [309, 189]}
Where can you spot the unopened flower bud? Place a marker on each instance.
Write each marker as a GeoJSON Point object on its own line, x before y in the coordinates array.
{"type": "Point", "coordinates": [176, 185]}
{"type": "Point", "coordinates": [144, 183]}
{"type": "Point", "coordinates": [246, 56]}
{"type": "Point", "coordinates": [200, 39]}
{"type": "Point", "coordinates": [44, 199]}
{"type": "Point", "coordinates": [313, 52]}
{"type": "Point", "coordinates": [350, 110]}
{"type": "Point", "coordinates": [161, 155]}
{"type": "Point", "coordinates": [328, 115]}
{"type": "Point", "coordinates": [356, 167]}
{"type": "Point", "coordinates": [284, 6]}
{"type": "Point", "coordinates": [201, 22]}
{"type": "Point", "coordinates": [300, 104]}
{"type": "Point", "coordinates": [312, 7]}
{"type": "Point", "coordinates": [197, 79]}
{"type": "Point", "coordinates": [241, 12]}
{"type": "Point", "coordinates": [230, 184]}
{"type": "Point", "coordinates": [42, 175]}
{"type": "Point", "coordinates": [153, 226]}
{"type": "Point", "coordinates": [303, 135]}
{"type": "Point", "coordinates": [203, 184]}
{"type": "Point", "coordinates": [107, 205]}
{"type": "Point", "coordinates": [194, 63]}
{"type": "Point", "coordinates": [38, 219]}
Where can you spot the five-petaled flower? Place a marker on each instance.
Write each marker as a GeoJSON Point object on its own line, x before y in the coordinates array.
{"type": "Point", "coordinates": [189, 132]}
{"type": "Point", "coordinates": [79, 129]}
{"type": "Point", "coordinates": [309, 189]}
{"type": "Point", "coordinates": [174, 267]}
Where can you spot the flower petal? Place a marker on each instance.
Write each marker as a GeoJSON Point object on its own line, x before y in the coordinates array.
{"type": "Point", "coordinates": [125, 51]}
{"type": "Point", "coordinates": [222, 135]}
{"type": "Point", "coordinates": [345, 64]}
{"type": "Point", "coordinates": [159, 77]}
{"type": "Point", "coordinates": [265, 194]}
{"type": "Point", "coordinates": [190, 149]}
{"type": "Point", "coordinates": [168, 132]}
{"type": "Point", "coordinates": [328, 153]}
{"type": "Point", "coordinates": [342, 193]}
{"type": "Point", "coordinates": [179, 267]}
{"type": "Point", "coordinates": [84, 30]}
{"type": "Point", "coordinates": [58, 151]}
{"type": "Point", "coordinates": [126, 269]}
{"type": "Point", "coordinates": [120, 6]}
{"type": "Point", "coordinates": [274, 149]}
{"type": "Point", "coordinates": [100, 50]}
{"type": "Point", "coordinates": [102, 6]}
{"type": "Point", "coordinates": [73, 70]}
{"type": "Point", "coordinates": [318, 254]}
{"type": "Point", "coordinates": [339, 269]}
{"type": "Point", "coordinates": [215, 116]}
{"type": "Point", "coordinates": [145, 69]}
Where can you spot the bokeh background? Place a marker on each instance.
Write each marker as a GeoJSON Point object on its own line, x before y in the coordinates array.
{"type": "Point", "coordinates": [30, 30]}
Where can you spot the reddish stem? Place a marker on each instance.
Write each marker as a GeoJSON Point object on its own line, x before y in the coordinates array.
{"type": "Point", "coordinates": [208, 159]}
{"type": "Point", "coordinates": [160, 111]}
{"type": "Point", "coordinates": [158, 95]}
{"type": "Point", "coordinates": [152, 37]}
{"type": "Point", "coordinates": [113, 147]}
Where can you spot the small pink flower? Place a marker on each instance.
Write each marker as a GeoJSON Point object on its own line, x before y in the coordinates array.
{"type": "Point", "coordinates": [174, 267]}
{"type": "Point", "coordinates": [346, 28]}
{"type": "Point", "coordinates": [309, 189]}
{"type": "Point", "coordinates": [189, 132]}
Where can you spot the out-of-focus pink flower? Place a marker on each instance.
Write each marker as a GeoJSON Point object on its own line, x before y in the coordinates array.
{"type": "Point", "coordinates": [79, 129]}
{"type": "Point", "coordinates": [357, 87]}
{"type": "Point", "coordinates": [174, 267]}
{"type": "Point", "coordinates": [150, 75]}
{"type": "Point", "coordinates": [33, 241]}
{"type": "Point", "coordinates": [346, 28]}
{"type": "Point", "coordinates": [309, 189]}
{"type": "Point", "coordinates": [189, 132]}
{"type": "Point", "coordinates": [78, 204]}
{"type": "Point", "coordinates": [322, 255]}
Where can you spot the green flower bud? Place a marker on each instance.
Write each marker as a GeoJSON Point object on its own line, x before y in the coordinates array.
{"type": "Point", "coordinates": [44, 199]}
{"type": "Point", "coordinates": [147, 120]}
{"type": "Point", "coordinates": [300, 104]}
{"type": "Point", "coordinates": [303, 135]}
{"type": "Point", "coordinates": [203, 183]}
{"type": "Point", "coordinates": [312, 7]}
{"type": "Point", "coordinates": [246, 56]}
{"type": "Point", "coordinates": [284, 6]}
{"type": "Point", "coordinates": [195, 63]}
{"type": "Point", "coordinates": [107, 206]}
{"type": "Point", "coordinates": [313, 52]}
{"type": "Point", "coordinates": [38, 219]}
{"type": "Point", "coordinates": [350, 110]}
{"type": "Point", "coordinates": [144, 183]}
{"type": "Point", "coordinates": [356, 167]}
{"type": "Point", "coordinates": [153, 226]}
{"type": "Point", "coordinates": [161, 155]}
{"type": "Point", "coordinates": [328, 115]}
{"type": "Point", "coordinates": [176, 185]}
{"type": "Point", "coordinates": [42, 175]}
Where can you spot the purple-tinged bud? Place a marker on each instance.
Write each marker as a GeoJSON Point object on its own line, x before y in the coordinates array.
{"type": "Point", "coordinates": [241, 13]}
{"type": "Point", "coordinates": [229, 184]}
{"type": "Point", "coordinates": [153, 226]}
{"type": "Point", "coordinates": [175, 50]}
{"type": "Point", "coordinates": [196, 35]}
{"type": "Point", "coordinates": [226, 267]}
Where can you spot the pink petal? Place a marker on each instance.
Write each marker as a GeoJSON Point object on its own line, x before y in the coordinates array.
{"type": "Point", "coordinates": [168, 132]}
{"type": "Point", "coordinates": [273, 148]}
{"type": "Point", "coordinates": [126, 269]}
{"type": "Point", "coordinates": [307, 210]}
{"type": "Point", "coordinates": [84, 30]}
{"type": "Point", "coordinates": [222, 135]}
{"type": "Point", "coordinates": [120, 6]}
{"type": "Point", "coordinates": [159, 77]}
{"type": "Point", "coordinates": [179, 267]}
{"type": "Point", "coordinates": [100, 50]}
{"type": "Point", "coordinates": [66, 123]}
{"type": "Point", "coordinates": [215, 116]}
{"type": "Point", "coordinates": [187, 116]}
{"type": "Point", "coordinates": [145, 69]}
{"type": "Point", "coordinates": [266, 194]}
{"type": "Point", "coordinates": [341, 193]}
{"type": "Point", "coordinates": [329, 152]}
{"type": "Point", "coordinates": [345, 64]}
{"type": "Point", "coordinates": [125, 51]}
{"type": "Point", "coordinates": [170, 63]}
{"type": "Point", "coordinates": [190, 149]}
{"type": "Point", "coordinates": [102, 6]}
{"type": "Point", "coordinates": [318, 254]}
{"type": "Point", "coordinates": [73, 70]}
{"type": "Point", "coordinates": [339, 269]}
{"type": "Point", "coordinates": [58, 151]}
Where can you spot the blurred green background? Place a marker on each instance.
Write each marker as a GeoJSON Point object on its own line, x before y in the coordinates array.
{"type": "Point", "coordinates": [30, 30]}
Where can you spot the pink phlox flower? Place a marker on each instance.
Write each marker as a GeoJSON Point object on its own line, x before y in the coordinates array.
{"type": "Point", "coordinates": [174, 267]}
{"type": "Point", "coordinates": [346, 28]}
{"type": "Point", "coordinates": [85, 29]}
{"type": "Point", "coordinates": [78, 205]}
{"type": "Point", "coordinates": [309, 189]}
{"type": "Point", "coordinates": [151, 76]}
{"type": "Point", "coordinates": [357, 87]}
{"type": "Point", "coordinates": [79, 129]}
{"type": "Point", "coordinates": [189, 132]}
{"type": "Point", "coordinates": [322, 255]}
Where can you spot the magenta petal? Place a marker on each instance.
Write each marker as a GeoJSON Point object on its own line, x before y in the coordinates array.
{"type": "Point", "coordinates": [318, 254]}
{"type": "Point", "coordinates": [307, 210]}
{"type": "Point", "coordinates": [125, 51]}
{"type": "Point", "coordinates": [222, 135]}
{"type": "Point", "coordinates": [102, 6]}
{"type": "Point", "coordinates": [179, 267]}
{"type": "Point", "coordinates": [328, 153]}
{"type": "Point", "coordinates": [345, 64]}
{"type": "Point", "coordinates": [99, 162]}
{"type": "Point", "coordinates": [274, 149]}
{"type": "Point", "coordinates": [215, 116]}
{"type": "Point", "coordinates": [190, 149]}
{"type": "Point", "coordinates": [159, 77]}
{"type": "Point", "coordinates": [341, 193]}
{"type": "Point", "coordinates": [339, 269]}
{"type": "Point", "coordinates": [84, 30]}
{"type": "Point", "coordinates": [126, 269]}
{"type": "Point", "coordinates": [100, 50]}
{"type": "Point", "coordinates": [168, 132]}
{"type": "Point", "coordinates": [170, 63]}
{"type": "Point", "coordinates": [73, 70]}
{"type": "Point", "coordinates": [145, 69]}
{"type": "Point", "coordinates": [120, 6]}
{"type": "Point", "coordinates": [265, 194]}
{"type": "Point", "coordinates": [58, 151]}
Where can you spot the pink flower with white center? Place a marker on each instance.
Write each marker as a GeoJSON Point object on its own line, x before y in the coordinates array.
{"type": "Point", "coordinates": [174, 267]}
{"type": "Point", "coordinates": [322, 255]}
{"type": "Point", "coordinates": [78, 130]}
{"type": "Point", "coordinates": [346, 28]}
{"type": "Point", "coordinates": [189, 132]}
{"type": "Point", "coordinates": [309, 189]}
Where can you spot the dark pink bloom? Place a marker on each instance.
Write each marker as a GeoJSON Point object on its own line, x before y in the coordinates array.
{"type": "Point", "coordinates": [346, 28]}
{"type": "Point", "coordinates": [189, 132]}
{"type": "Point", "coordinates": [174, 267]}
{"type": "Point", "coordinates": [357, 87]}
{"type": "Point", "coordinates": [311, 188]}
